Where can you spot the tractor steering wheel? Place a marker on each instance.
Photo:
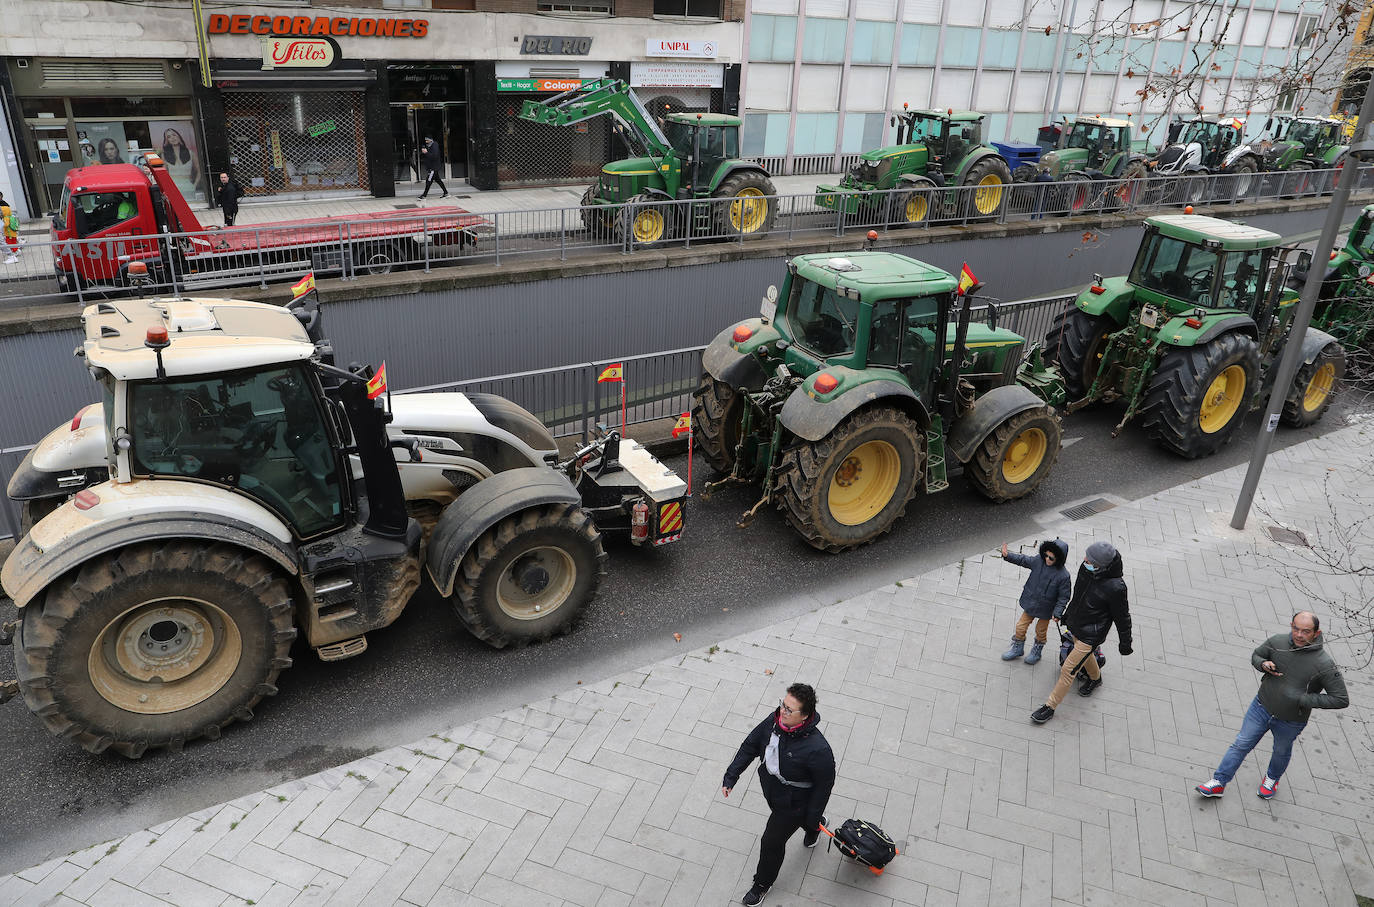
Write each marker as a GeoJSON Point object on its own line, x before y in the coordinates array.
{"type": "Point", "coordinates": [1201, 282]}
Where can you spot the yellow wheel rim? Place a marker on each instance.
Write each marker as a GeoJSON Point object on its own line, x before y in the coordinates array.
{"type": "Point", "coordinates": [864, 483]}
{"type": "Point", "coordinates": [749, 210]}
{"type": "Point", "coordinates": [1319, 388]}
{"type": "Point", "coordinates": [1222, 399]}
{"type": "Point", "coordinates": [648, 225]}
{"type": "Point", "coordinates": [1024, 455]}
{"type": "Point", "coordinates": [988, 197]}
{"type": "Point", "coordinates": [917, 207]}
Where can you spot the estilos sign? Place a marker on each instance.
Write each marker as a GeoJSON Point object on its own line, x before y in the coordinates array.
{"type": "Point", "coordinates": [298, 53]}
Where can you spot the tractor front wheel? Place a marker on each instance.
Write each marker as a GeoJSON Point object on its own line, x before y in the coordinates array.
{"type": "Point", "coordinates": [1130, 190]}
{"type": "Point", "coordinates": [599, 220]}
{"type": "Point", "coordinates": [1015, 458]}
{"type": "Point", "coordinates": [914, 207]}
{"type": "Point", "coordinates": [716, 417]}
{"type": "Point", "coordinates": [746, 204]}
{"type": "Point", "coordinates": [850, 487]}
{"type": "Point", "coordinates": [155, 645]}
{"type": "Point", "coordinates": [1075, 343]}
{"type": "Point", "coordinates": [531, 576]}
{"type": "Point", "coordinates": [1243, 179]}
{"type": "Point", "coordinates": [648, 225]}
{"type": "Point", "coordinates": [1314, 387]}
{"type": "Point", "coordinates": [986, 187]}
{"type": "Point", "coordinates": [1199, 395]}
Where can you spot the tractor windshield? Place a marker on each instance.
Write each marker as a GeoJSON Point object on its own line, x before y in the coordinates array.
{"type": "Point", "coordinates": [1175, 268]}
{"type": "Point", "coordinates": [902, 335]}
{"type": "Point", "coordinates": [926, 130]}
{"type": "Point", "coordinates": [1085, 135]}
{"type": "Point", "coordinates": [824, 321]}
{"type": "Point", "coordinates": [1308, 135]}
{"type": "Point", "coordinates": [680, 137]}
{"type": "Point", "coordinates": [1199, 131]}
{"type": "Point", "coordinates": [1361, 238]}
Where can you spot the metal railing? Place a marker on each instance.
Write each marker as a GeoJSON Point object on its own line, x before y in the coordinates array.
{"type": "Point", "coordinates": [570, 402]}
{"type": "Point", "coordinates": [255, 256]}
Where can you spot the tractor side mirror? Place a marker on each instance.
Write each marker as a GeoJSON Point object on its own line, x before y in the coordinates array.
{"type": "Point", "coordinates": [1304, 262]}
{"type": "Point", "coordinates": [992, 316]}
{"type": "Point", "coordinates": [892, 121]}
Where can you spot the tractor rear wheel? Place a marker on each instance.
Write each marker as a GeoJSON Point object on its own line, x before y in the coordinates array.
{"type": "Point", "coordinates": [530, 577]}
{"type": "Point", "coordinates": [1243, 179]}
{"type": "Point", "coordinates": [648, 225]}
{"type": "Point", "coordinates": [155, 645]}
{"type": "Point", "coordinates": [1199, 395]}
{"type": "Point", "coordinates": [989, 179]}
{"type": "Point", "coordinates": [1129, 192]}
{"type": "Point", "coordinates": [716, 418]}
{"type": "Point", "coordinates": [598, 219]}
{"type": "Point", "coordinates": [1314, 387]}
{"type": "Point", "coordinates": [1015, 458]}
{"type": "Point", "coordinates": [1075, 343]}
{"type": "Point", "coordinates": [850, 487]}
{"type": "Point", "coordinates": [746, 204]}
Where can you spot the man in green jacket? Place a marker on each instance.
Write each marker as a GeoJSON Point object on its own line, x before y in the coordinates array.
{"type": "Point", "coordinates": [1298, 677]}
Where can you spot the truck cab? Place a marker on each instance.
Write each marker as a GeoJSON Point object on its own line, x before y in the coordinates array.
{"type": "Point", "coordinates": [102, 223]}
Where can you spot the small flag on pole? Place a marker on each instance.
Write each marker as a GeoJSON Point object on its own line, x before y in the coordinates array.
{"type": "Point", "coordinates": [613, 372]}
{"type": "Point", "coordinates": [684, 424]}
{"type": "Point", "coordinates": [966, 279]}
{"type": "Point", "coordinates": [376, 385]}
{"type": "Point", "coordinates": [1237, 124]}
{"type": "Point", "coordinates": [303, 286]}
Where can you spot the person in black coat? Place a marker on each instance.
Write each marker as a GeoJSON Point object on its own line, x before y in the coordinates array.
{"type": "Point", "coordinates": [796, 774]}
{"type": "Point", "coordinates": [228, 193]}
{"type": "Point", "coordinates": [432, 160]}
{"type": "Point", "coordinates": [1098, 601]}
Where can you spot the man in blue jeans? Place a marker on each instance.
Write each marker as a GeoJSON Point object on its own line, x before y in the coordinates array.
{"type": "Point", "coordinates": [1298, 677]}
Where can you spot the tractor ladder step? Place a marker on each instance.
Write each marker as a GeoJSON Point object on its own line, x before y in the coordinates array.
{"type": "Point", "coordinates": [936, 479]}
{"type": "Point", "coordinates": [701, 217]}
{"type": "Point", "coordinates": [338, 651]}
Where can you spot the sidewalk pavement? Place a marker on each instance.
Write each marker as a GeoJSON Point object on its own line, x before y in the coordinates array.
{"type": "Point", "coordinates": [609, 793]}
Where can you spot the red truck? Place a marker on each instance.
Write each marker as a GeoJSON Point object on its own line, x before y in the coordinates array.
{"type": "Point", "coordinates": [113, 214]}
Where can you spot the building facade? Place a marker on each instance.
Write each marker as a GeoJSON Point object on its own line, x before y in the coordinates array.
{"type": "Point", "coordinates": [311, 100]}
{"type": "Point", "coordinates": [823, 76]}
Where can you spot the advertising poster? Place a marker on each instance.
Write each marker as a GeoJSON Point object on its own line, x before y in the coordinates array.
{"type": "Point", "coordinates": [102, 143]}
{"type": "Point", "coordinates": [175, 140]}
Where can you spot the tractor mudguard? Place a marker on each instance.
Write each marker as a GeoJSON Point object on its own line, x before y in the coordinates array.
{"type": "Point", "coordinates": [1094, 174]}
{"type": "Point", "coordinates": [812, 420]}
{"type": "Point", "coordinates": [483, 506]}
{"type": "Point", "coordinates": [1243, 324]}
{"type": "Point", "coordinates": [728, 169]}
{"type": "Point", "coordinates": [989, 411]}
{"type": "Point", "coordinates": [973, 158]}
{"type": "Point", "coordinates": [29, 483]}
{"type": "Point", "coordinates": [31, 569]}
{"type": "Point", "coordinates": [729, 366]}
{"type": "Point", "coordinates": [1313, 342]}
{"type": "Point", "coordinates": [919, 181]}
{"type": "Point", "coordinates": [1114, 301]}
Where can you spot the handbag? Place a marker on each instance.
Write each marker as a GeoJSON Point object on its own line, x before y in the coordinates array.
{"type": "Point", "coordinates": [863, 842]}
{"type": "Point", "coordinates": [1066, 642]}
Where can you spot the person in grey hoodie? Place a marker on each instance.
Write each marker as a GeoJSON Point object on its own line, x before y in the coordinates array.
{"type": "Point", "coordinates": [1044, 596]}
{"type": "Point", "coordinates": [1299, 676]}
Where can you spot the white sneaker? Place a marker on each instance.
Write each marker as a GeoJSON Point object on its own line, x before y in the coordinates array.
{"type": "Point", "coordinates": [12, 260]}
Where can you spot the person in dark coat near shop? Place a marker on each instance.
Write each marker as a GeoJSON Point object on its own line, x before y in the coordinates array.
{"type": "Point", "coordinates": [1043, 597]}
{"type": "Point", "coordinates": [796, 774]}
{"type": "Point", "coordinates": [433, 163]}
{"type": "Point", "coordinates": [1098, 602]}
{"type": "Point", "coordinates": [228, 193]}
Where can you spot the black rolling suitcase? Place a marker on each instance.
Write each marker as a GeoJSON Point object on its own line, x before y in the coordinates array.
{"type": "Point", "coordinates": [863, 842]}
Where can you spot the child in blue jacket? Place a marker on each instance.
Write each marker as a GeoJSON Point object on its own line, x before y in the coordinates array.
{"type": "Point", "coordinates": [1044, 596]}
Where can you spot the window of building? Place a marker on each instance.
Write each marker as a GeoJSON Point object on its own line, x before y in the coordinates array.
{"type": "Point", "coordinates": [772, 38]}
{"type": "Point", "coordinates": [1306, 30]}
{"type": "Point", "coordinates": [823, 41]}
{"type": "Point", "coordinates": [695, 9]}
{"type": "Point", "coordinates": [872, 42]}
{"type": "Point", "coordinates": [577, 7]}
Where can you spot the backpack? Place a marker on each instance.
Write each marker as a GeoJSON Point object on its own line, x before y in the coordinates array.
{"type": "Point", "coordinates": [1066, 646]}
{"type": "Point", "coordinates": [864, 843]}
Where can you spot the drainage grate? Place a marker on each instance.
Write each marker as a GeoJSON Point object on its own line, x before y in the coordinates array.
{"type": "Point", "coordinates": [1288, 536]}
{"type": "Point", "coordinates": [1082, 511]}
{"type": "Point", "coordinates": [404, 207]}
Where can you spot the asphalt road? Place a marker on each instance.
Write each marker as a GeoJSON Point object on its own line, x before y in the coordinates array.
{"type": "Point", "coordinates": [424, 674]}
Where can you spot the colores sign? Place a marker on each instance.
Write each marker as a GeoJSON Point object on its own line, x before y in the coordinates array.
{"type": "Point", "coordinates": [298, 53]}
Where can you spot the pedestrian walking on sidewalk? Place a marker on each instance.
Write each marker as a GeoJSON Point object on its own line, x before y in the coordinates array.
{"type": "Point", "coordinates": [433, 162]}
{"type": "Point", "coordinates": [1043, 597]}
{"type": "Point", "coordinates": [1299, 676]}
{"type": "Point", "coordinates": [1098, 602]}
{"type": "Point", "coordinates": [11, 227]}
{"type": "Point", "coordinates": [796, 774]}
{"type": "Point", "coordinates": [228, 194]}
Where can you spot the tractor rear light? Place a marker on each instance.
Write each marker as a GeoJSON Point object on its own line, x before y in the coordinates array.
{"type": "Point", "coordinates": [1096, 290]}
{"type": "Point", "coordinates": [76, 420]}
{"type": "Point", "coordinates": [639, 522]}
{"type": "Point", "coordinates": [1333, 255]}
{"type": "Point", "coordinates": [1193, 322]}
{"type": "Point", "coordinates": [825, 383]}
{"type": "Point", "coordinates": [742, 333]}
{"type": "Point", "coordinates": [85, 500]}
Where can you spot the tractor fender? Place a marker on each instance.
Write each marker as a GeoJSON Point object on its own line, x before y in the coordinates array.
{"type": "Point", "coordinates": [988, 411]}
{"type": "Point", "coordinates": [973, 158]}
{"type": "Point", "coordinates": [730, 168]}
{"type": "Point", "coordinates": [729, 366]}
{"type": "Point", "coordinates": [68, 537]}
{"type": "Point", "coordinates": [483, 506]}
{"type": "Point", "coordinates": [1243, 324]}
{"type": "Point", "coordinates": [918, 181]}
{"type": "Point", "coordinates": [812, 420]}
{"type": "Point", "coordinates": [1094, 174]}
{"type": "Point", "coordinates": [1313, 342]}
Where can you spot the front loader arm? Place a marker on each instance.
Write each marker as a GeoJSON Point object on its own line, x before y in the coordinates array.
{"type": "Point", "coordinates": [610, 97]}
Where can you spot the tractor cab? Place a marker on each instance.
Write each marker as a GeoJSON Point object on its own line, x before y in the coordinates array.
{"type": "Point", "coordinates": [1101, 138]}
{"type": "Point", "coordinates": [1187, 262]}
{"type": "Point", "coordinates": [1214, 136]}
{"type": "Point", "coordinates": [707, 139]}
{"type": "Point", "coordinates": [948, 135]}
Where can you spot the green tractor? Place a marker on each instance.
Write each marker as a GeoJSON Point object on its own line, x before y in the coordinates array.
{"type": "Point", "coordinates": [1345, 305]}
{"type": "Point", "coordinates": [935, 149]}
{"type": "Point", "coordinates": [1095, 149]}
{"type": "Point", "coordinates": [1303, 143]}
{"type": "Point", "coordinates": [1190, 339]}
{"type": "Point", "coordinates": [684, 156]}
{"type": "Point", "coordinates": [858, 380]}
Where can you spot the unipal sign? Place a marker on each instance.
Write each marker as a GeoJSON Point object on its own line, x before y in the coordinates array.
{"type": "Point", "coordinates": [679, 47]}
{"type": "Point", "coordinates": [298, 53]}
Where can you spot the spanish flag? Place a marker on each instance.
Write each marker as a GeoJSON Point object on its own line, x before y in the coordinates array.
{"type": "Point", "coordinates": [1237, 124]}
{"type": "Point", "coordinates": [966, 279]}
{"type": "Point", "coordinates": [613, 372]}
{"type": "Point", "coordinates": [303, 286]}
{"type": "Point", "coordinates": [684, 424]}
{"type": "Point", "coordinates": [376, 385]}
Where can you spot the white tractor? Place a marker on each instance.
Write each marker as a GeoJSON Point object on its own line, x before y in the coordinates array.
{"type": "Point", "coordinates": [235, 488]}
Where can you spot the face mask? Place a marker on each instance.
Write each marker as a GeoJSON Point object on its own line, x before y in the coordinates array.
{"type": "Point", "coordinates": [1089, 567]}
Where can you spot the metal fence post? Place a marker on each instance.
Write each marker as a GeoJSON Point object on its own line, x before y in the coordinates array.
{"type": "Point", "coordinates": [76, 278]}
{"type": "Point", "coordinates": [262, 266]}
{"type": "Point", "coordinates": [562, 234]}
{"type": "Point", "coordinates": [588, 401]}
{"type": "Point", "coordinates": [424, 228]}
{"type": "Point", "coordinates": [496, 234]}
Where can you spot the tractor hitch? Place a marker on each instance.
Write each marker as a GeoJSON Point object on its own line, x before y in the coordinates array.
{"type": "Point", "coordinates": [7, 632]}
{"type": "Point", "coordinates": [8, 690]}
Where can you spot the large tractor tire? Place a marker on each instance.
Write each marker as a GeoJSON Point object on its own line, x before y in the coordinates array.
{"type": "Point", "coordinates": [1130, 192]}
{"type": "Point", "coordinates": [599, 220]}
{"type": "Point", "coordinates": [716, 417]}
{"type": "Point", "coordinates": [1075, 343]}
{"type": "Point", "coordinates": [530, 577]}
{"type": "Point", "coordinates": [30, 512]}
{"type": "Point", "coordinates": [1075, 195]}
{"type": "Point", "coordinates": [1314, 387]}
{"type": "Point", "coordinates": [1015, 458]}
{"type": "Point", "coordinates": [155, 645]}
{"type": "Point", "coordinates": [850, 487]}
{"type": "Point", "coordinates": [916, 207]}
{"type": "Point", "coordinates": [1242, 182]}
{"type": "Point", "coordinates": [648, 225]}
{"type": "Point", "coordinates": [1199, 395]}
{"type": "Point", "coordinates": [991, 181]}
{"type": "Point", "coordinates": [746, 204]}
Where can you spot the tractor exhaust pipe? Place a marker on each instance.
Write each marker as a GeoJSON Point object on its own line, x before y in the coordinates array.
{"type": "Point", "coordinates": [956, 361]}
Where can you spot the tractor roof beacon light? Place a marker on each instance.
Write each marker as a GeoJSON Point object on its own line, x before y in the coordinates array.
{"type": "Point", "coordinates": [742, 333]}
{"type": "Point", "coordinates": [157, 340]}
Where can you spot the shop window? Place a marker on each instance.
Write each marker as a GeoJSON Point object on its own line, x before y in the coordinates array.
{"type": "Point", "coordinates": [589, 7]}
{"type": "Point", "coordinates": [96, 211]}
{"type": "Point", "coordinates": [129, 108]}
{"type": "Point", "coordinates": [696, 9]}
{"type": "Point", "coordinates": [287, 141]}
